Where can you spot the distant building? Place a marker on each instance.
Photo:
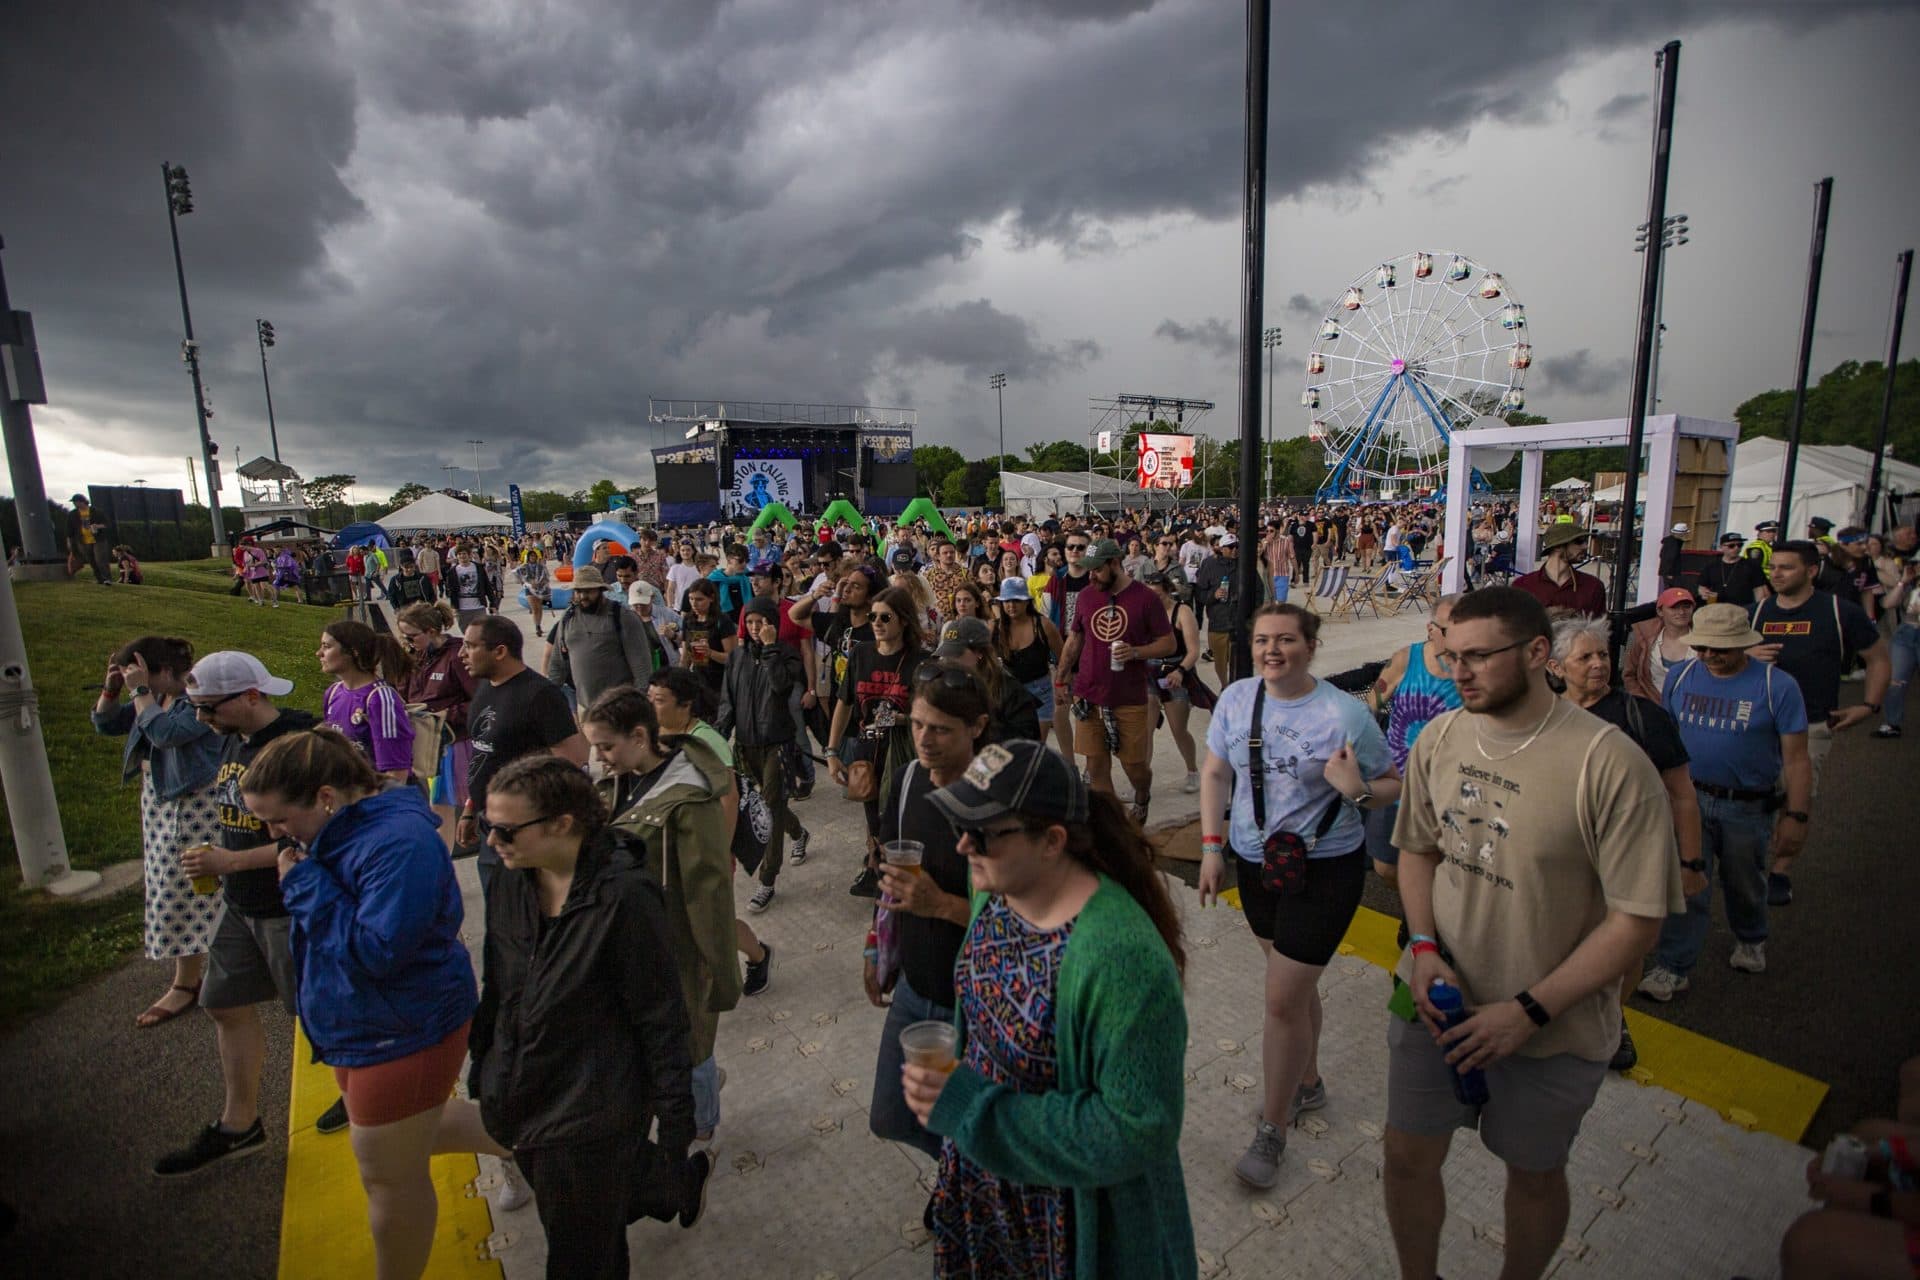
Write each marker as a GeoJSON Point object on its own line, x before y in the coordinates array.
{"type": "Point", "coordinates": [270, 492]}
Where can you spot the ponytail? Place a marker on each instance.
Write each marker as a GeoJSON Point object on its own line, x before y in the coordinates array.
{"type": "Point", "coordinates": [374, 652]}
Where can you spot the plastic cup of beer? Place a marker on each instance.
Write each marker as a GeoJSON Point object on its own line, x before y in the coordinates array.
{"type": "Point", "coordinates": [904, 854]}
{"type": "Point", "coordinates": [930, 1044]}
{"type": "Point", "coordinates": [204, 885]}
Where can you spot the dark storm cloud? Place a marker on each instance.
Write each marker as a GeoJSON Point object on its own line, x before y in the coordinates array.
{"type": "Point", "coordinates": [516, 222]}
{"type": "Point", "coordinates": [1212, 335]}
{"type": "Point", "coordinates": [1622, 106]}
{"type": "Point", "coordinates": [1578, 373]}
{"type": "Point", "coordinates": [1304, 305]}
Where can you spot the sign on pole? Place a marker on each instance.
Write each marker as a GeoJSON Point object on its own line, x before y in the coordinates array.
{"type": "Point", "coordinates": [518, 512]}
{"type": "Point", "coordinates": [1166, 461]}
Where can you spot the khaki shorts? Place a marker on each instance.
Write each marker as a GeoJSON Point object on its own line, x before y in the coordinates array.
{"type": "Point", "coordinates": [1136, 735]}
{"type": "Point", "coordinates": [1534, 1105]}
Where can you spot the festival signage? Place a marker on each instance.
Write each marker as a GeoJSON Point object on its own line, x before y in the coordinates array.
{"type": "Point", "coordinates": [1166, 461]}
{"type": "Point", "coordinates": [518, 512]}
{"type": "Point", "coordinates": [759, 481]}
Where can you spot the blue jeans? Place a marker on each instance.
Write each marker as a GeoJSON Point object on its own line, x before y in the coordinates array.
{"type": "Point", "coordinates": [1282, 582]}
{"type": "Point", "coordinates": [706, 1096]}
{"type": "Point", "coordinates": [888, 1117]}
{"type": "Point", "coordinates": [1906, 656]}
{"type": "Point", "coordinates": [1734, 838]}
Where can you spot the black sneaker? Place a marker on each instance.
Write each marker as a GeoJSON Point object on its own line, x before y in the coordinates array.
{"type": "Point", "coordinates": [758, 973]}
{"type": "Point", "coordinates": [1626, 1056]}
{"type": "Point", "coordinates": [333, 1119]}
{"type": "Point", "coordinates": [1887, 731]}
{"type": "Point", "coordinates": [1779, 889]}
{"type": "Point", "coordinates": [699, 1173]}
{"type": "Point", "coordinates": [213, 1145]}
{"type": "Point", "coordinates": [866, 884]}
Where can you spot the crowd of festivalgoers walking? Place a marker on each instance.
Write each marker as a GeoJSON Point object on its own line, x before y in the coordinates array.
{"type": "Point", "coordinates": [1555, 838]}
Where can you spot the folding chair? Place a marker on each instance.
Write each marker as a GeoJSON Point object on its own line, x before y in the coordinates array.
{"type": "Point", "coordinates": [1422, 587]}
{"type": "Point", "coordinates": [1363, 592]}
{"type": "Point", "coordinates": [1332, 586]}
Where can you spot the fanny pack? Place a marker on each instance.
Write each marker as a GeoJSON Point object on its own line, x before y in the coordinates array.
{"type": "Point", "coordinates": [1283, 858]}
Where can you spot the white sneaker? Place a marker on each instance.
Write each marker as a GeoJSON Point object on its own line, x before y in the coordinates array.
{"type": "Point", "coordinates": [1749, 957]}
{"type": "Point", "coordinates": [513, 1192]}
{"type": "Point", "coordinates": [1662, 984]}
{"type": "Point", "coordinates": [1192, 784]}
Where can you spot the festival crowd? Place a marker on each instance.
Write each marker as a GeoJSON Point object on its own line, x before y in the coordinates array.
{"type": "Point", "coordinates": [1555, 836]}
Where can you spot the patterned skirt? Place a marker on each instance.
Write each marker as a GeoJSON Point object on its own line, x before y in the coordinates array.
{"type": "Point", "coordinates": [179, 921]}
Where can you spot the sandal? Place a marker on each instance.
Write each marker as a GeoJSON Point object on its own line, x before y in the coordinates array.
{"type": "Point", "coordinates": [158, 1013]}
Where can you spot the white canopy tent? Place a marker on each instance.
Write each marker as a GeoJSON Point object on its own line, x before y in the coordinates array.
{"type": "Point", "coordinates": [1039, 495]}
{"type": "Point", "coordinates": [1663, 436]}
{"type": "Point", "coordinates": [437, 513]}
{"type": "Point", "coordinates": [1828, 480]}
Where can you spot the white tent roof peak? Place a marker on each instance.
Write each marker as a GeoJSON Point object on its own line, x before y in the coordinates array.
{"type": "Point", "coordinates": [438, 513]}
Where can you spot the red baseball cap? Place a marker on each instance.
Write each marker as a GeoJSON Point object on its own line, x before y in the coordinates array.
{"type": "Point", "coordinates": [1675, 595]}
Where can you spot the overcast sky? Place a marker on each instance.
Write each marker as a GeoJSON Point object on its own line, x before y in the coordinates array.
{"type": "Point", "coordinates": [516, 221]}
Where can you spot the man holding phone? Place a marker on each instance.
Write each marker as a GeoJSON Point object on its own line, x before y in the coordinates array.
{"type": "Point", "coordinates": [1814, 636]}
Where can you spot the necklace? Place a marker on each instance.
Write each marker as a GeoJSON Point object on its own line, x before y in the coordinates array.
{"type": "Point", "coordinates": [1537, 731]}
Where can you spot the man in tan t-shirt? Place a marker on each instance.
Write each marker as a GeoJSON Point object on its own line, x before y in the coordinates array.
{"type": "Point", "coordinates": [1536, 847]}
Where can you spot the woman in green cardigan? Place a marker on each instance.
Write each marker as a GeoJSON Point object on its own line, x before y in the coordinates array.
{"type": "Point", "coordinates": [1063, 1116]}
{"type": "Point", "coordinates": [676, 799]}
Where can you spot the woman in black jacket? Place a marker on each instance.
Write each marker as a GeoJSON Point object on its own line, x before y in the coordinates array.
{"type": "Point", "coordinates": [762, 673]}
{"type": "Point", "coordinates": [581, 1038]}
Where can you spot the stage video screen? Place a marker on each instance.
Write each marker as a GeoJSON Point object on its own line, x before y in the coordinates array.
{"type": "Point", "coordinates": [685, 481]}
{"type": "Point", "coordinates": [894, 480]}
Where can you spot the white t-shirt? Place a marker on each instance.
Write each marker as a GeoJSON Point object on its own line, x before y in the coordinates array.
{"type": "Point", "coordinates": [679, 578]}
{"type": "Point", "coordinates": [1297, 739]}
{"type": "Point", "coordinates": [1192, 555]}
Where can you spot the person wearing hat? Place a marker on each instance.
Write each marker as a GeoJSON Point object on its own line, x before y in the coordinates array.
{"type": "Point", "coordinates": [969, 642]}
{"type": "Point", "coordinates": [410, 586]}
{"type": "Point", "coordinates": [1557, 584]}
{"type": "Point", "coordinates": [597, 644]}
{"type": "Point", "coordinates": [1744, 725]}
{"type": "Point", "coordinates": [1731, 579]}
{"type": "Point", "coordinates": [1062, 590]}
{"type": "Point", "coordinates": [1118, 627]}
{"type": "Point", "coordinates": [1656, 644]}
{"type": "Point", "coordinates": [763, 674]}
{"type": "Point", "coordinates": [1028, 646]}
{"type": "Point", "coordinates": [1070, 1101]}
{"type": "Point", "coordinates": [1216, 588]}
{"type": "Point", "coordinates": [87, 542]}
{"type": "Point", "coordinates": [1670, 548]}
{"type": "Point", "coordinates": [1820, 529]}
{"type": "Point", "coordinates": [1765, 535]}
{"type": "Point", "coordinates": [248, 960]}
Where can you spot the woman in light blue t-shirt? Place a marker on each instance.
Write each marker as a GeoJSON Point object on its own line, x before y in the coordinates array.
{"type": "Point", "coordinates": [1323, 762]}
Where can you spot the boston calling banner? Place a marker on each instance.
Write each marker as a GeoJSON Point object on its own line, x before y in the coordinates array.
{"type": "Point", "coordinates": [758, 481]}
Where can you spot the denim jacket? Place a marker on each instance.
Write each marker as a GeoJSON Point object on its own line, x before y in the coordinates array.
{"type": "Point", "coordinates": [184, 752]}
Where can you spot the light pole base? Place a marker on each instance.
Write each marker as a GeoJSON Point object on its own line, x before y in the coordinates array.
{"type": "Point", "coordinates": [72, 884]}
{"type": "Point", "coordinates": [40, 571]}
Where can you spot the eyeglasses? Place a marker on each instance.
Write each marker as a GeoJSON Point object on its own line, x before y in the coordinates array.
{"type": "Point", "coordinates": [208, 708]}
{"type": "Point", "coordinates": [507, 831]}
{"type": "Point", "coordinates": [878, 616]}
{"type": "Point", "coordinates": [1477, 660]}
{"type": "Point", "coordinates": [951, 677]}
{"type": "Point", "coordinates": [1076, 546]}
{"type": "Point", "coordinates": [983, 837]}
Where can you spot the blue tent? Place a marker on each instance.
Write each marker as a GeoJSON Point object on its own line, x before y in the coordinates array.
{"type": "Point", "coordinates": [360, 534]}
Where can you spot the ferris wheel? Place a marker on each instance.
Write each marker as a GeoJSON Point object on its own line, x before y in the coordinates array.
{"type": "Point", "coordinates": [1418, 346]}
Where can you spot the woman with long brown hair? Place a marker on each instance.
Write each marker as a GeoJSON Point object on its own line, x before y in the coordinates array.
{"type": "Point", "coordinates": [1062, 1117]}
{"type": "Point", "coordinates": [874, 699]}
{"type": "Point", "coordinates": [364, 702]}
{"type": "Point", "coordinates": [706, 633]}
{"type": "Point", "coordinates": [1028, 645]}
{"type": "Point", "coordinates": [176, 755]}
{"type": "Point", "coordinates": [440, 682]}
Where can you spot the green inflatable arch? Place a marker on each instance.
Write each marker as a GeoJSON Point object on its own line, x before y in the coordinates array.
{"type": "Point", "coordinates": [771, 513]}
{"type": "Point", "coordinates": [841, 509]}
{"type": "Point", "coordinates": [923, 509]}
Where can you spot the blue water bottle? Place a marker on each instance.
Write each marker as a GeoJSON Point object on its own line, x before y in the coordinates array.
{"type": "Point", "coordinates": [1470, 1086]}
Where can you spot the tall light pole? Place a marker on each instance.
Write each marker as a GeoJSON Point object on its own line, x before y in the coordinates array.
{"type": "Point", "coordinates": [999, 384]}
{"type": "Point", "coordinates": [449, 468]}
{"type": "Point", "coordinates": [263, 330]}
{"type": "Point", "coordinates": [21, 386]}
{"type": "Point", "coordinates": [476, 465]}
{"type": "Point", "coordinates": [1270, 339]}
{"type": "Point", "coordinates": [1674, 233]}
{"type": "Point", "coordinates": [179, 204]}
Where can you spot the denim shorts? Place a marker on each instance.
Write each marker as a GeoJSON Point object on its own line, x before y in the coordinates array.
{"type": "Point", "coordinates": [1042, 690]}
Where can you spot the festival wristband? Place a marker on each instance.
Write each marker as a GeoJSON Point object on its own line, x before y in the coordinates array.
{"type": "Point", "coordinates": [1212, 844]}
{"type": "Point", "coordinates": [1423, 946]}
{"type": "Point", "coordinates": [1424, 937]}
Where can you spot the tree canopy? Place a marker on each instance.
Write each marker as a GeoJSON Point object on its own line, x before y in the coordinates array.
{"type": "Point", "coordinates": [1843, 407]}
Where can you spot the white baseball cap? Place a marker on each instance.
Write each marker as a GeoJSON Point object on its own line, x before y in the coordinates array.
{"type": "Point", "coordinates": [1228, 540]}
{"type": "Point", "coordinates": [230, 671]}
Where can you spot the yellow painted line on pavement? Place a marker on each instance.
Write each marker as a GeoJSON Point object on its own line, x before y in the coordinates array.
{"type": "Point", "coordinates": [323, 1215]}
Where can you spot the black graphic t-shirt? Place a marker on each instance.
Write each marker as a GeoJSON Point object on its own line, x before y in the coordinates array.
{"type": "Point", "coordinates": [840, 636]}
{"type": "Point", "coordinates": [880, 688]}
{"type": "Point", "coordinates": [1815, 641]}
{"type": "Point", "coordinates": [254, 892]}
{"type": "Point", "coordinates": [525, 715]}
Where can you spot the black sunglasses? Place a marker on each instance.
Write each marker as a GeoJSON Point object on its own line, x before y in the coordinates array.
{"type": "Point", "coordinates": [208, 708]}
{"type": "Point", "coordinates": [983, 837]}
{"type": "Point", "coordinates": [508, 830]}
{"type": "Point", "coordinates": [951, 677]}
{"type": "Point", "coordinates": [878, 616]}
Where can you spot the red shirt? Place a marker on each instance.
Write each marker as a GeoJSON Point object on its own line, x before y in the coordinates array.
{"type": "Point", "coordinates": [1583, 592]}
{"type": "Point", "coordinates": [1136, 616]}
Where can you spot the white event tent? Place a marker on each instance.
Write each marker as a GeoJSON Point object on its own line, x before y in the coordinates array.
{"type": "Point", "coordinates": [438, 513]}
{"type": "Point", "coordinates": [1828, 480]}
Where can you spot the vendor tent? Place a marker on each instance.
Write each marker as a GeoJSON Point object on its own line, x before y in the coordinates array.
{"type": "Point", "coordinates": [1038, 495]}
{"type": "Point", "coordinates": [438, 513]}
{"type": "Point", "coordinates": [1828, 480]}
{"type": "Point", "coordinates": [361, 534]}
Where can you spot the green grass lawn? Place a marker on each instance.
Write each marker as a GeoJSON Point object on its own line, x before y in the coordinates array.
{"type": "Point", "coordinates": [70, 627]}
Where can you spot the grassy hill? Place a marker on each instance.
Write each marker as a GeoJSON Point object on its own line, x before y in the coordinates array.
{"type": "Point", "coordinates": [70, 627]}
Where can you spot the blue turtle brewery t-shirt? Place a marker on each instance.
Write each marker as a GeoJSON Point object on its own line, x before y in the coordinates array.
{"type": "Point", "coordinates": [1298, 738]}
{"type": "Point", "coordinates": [1731, 725]}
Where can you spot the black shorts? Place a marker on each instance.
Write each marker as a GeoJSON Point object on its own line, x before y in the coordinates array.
{"type": "Point", "coordinates": [1304, 927]}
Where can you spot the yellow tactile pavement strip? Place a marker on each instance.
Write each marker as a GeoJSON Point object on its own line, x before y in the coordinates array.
{"type": "Point", "coordinates": [323, 1216]}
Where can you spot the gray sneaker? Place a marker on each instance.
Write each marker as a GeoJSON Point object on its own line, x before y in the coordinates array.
{"type": "Point", "coordinates": [1260, 1166]}
{"type": "Point", "coordinates": [1749, 957]}
{"type": "Point", "coordinates": [1310, 1097]}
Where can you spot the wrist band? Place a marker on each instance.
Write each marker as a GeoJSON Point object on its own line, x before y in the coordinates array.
{"type": "Point", "coordinates": [1423, 947]}
{"type": "Point", "coordinates": [1539, 1015]}
{"type": "Point", "coordinates": [1425, 937]}
{"type": "Point", "coordinates": [1212, 842]}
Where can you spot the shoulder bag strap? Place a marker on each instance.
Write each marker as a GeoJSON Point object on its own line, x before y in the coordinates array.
{"type": "Point", "coordinates": [906, 785]}
{"type": "Point", "coordinates": [1256, 763]}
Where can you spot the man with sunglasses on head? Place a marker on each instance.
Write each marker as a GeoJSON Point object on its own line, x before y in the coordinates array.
{"type": "Point", "coordinates": [515, 712]}
{"type": "Point", "coordinates": [1118, 628]}
{"type": "Point", "coordinates": [1557, 584]}
{"type": "Point", "coordinates": [1744, 725]}
{"type": "Point", "coordinates": [248, 961]}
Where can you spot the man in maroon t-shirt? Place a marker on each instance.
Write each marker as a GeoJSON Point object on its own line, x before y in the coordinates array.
{"type": "Point", "coordinates": [1556, 583]}
{"type": "Point", "coordinates": [1117, 627]}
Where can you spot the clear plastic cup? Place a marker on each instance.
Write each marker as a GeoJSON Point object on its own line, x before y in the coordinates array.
{"type": "Point", "coordinates": [930, 1044]}
{"type": "Point", "coordinates": [205, 886]}
{"type": "Point", "coordinates": [904, 854]}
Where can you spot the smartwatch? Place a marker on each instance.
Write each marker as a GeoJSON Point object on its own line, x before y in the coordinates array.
{"type": "Point", "coordinates": [140, 691]}
{"type": "Point", "coordinates": [1694, 864]}
{"type": "Point", "coordinates": [1539, 1015]}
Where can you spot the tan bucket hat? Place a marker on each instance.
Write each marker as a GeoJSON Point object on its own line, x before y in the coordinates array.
{"type": "Point", "coordinates": [1721, 626]}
